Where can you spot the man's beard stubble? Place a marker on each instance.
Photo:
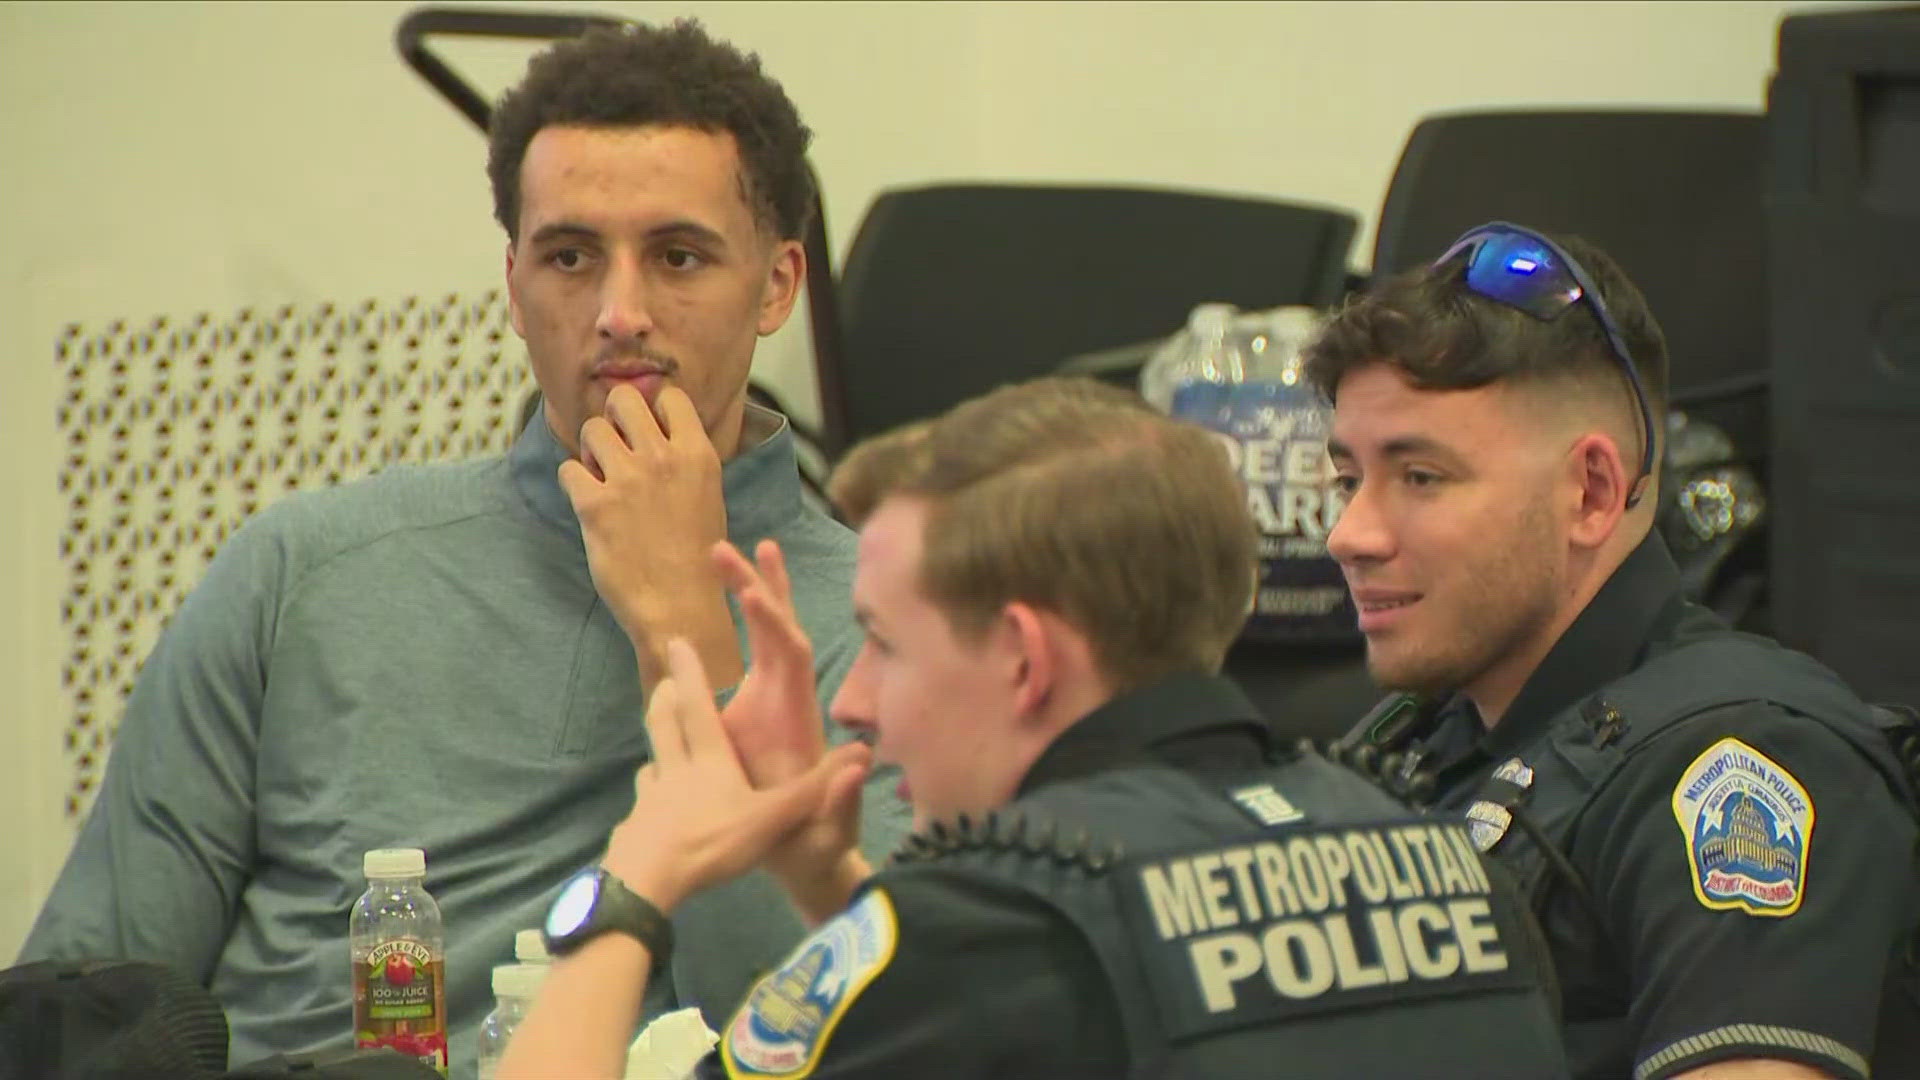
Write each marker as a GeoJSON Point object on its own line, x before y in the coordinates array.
{"type": "Point", "coordinates": [1510, 596]}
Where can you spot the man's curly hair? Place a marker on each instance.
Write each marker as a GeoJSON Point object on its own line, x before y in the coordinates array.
{"type": "Point", "coordinates": [674, 75]}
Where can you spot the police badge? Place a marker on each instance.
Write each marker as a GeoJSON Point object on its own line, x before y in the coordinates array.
{"type": "Point", "coordinates": [1487, 820]}
{"type": "Point", "coordinates": [1747, 823]}
{"type": "Point", "coordinates": [786, 1021]}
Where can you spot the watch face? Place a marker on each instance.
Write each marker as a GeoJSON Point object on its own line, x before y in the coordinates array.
{"type": "Point", "coordinates": [574, 904]}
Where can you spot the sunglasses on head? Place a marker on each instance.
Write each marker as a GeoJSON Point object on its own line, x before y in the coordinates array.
{"type": "Point", "coordinates": [1522, 269]}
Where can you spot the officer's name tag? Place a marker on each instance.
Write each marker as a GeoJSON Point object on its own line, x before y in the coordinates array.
{"type": "Point", "coordinates": [1312, 920]}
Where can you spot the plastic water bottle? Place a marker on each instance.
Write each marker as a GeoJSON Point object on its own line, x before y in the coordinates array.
{"type": "Point", "coordinates": [399, 959]}
{"type": "Point", "coordinates": [514, 988]}
{"type": "Point", "coordinates": [1239, 376]}
{"type": "Point", "coordinates": [530, 947]}
{"type": "Point", "coordinates": [1211, 350]}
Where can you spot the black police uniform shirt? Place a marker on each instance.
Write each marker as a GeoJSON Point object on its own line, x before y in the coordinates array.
{"type": "Point", "coordinates": [943, 972]}
{"type": "Point", "coordinates": [1669, 982]}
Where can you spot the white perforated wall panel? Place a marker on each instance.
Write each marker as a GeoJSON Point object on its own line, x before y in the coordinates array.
{"type": "Point", "coordinates": [176, 431]}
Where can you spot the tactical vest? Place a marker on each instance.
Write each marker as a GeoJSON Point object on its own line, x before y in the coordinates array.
{"type": "Point", "coordinates": [1528, 811]}
{"type": "Point", "coordinates": [1294, 919]}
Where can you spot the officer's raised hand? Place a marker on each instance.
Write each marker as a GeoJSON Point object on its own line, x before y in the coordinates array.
{"type": "Point", "coordinates": [696, 819]}
{"type": "Point", "coordinates": [774, 719]}
{"type": "Point", "coordinates": [775, 726]}
{"type": "Point", "coordinates": [647, 491]}
{"type": "Point", "coordinates": [696, 822]}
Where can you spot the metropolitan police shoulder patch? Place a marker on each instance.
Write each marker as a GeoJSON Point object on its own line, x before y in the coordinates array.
{"type": "Point", "coordinates": [782, 1028]}
{"type": "Point", "coordinates": [1748, 825]}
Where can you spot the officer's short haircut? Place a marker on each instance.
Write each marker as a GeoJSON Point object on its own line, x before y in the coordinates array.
{"type": "Point", "coordinates": [875, 466]}
{"type": "Point", "coordinates": [1079, 499]}
{"type": "Point", "coordinates": [673, 75]}
{"type": "Point", "coordinates": [1442, 336]}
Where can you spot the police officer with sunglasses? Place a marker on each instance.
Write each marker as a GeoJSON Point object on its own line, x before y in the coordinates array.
{"type": "Point", "coordinates": [1712, 828]}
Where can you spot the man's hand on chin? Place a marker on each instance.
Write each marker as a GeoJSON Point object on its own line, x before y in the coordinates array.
{"type": "Point", "coordinates": [647, 491]}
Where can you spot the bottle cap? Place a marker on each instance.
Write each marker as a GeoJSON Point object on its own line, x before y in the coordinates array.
{"type": "Point", "coordinates": [1210, 319]}
{"type": "Point", "coordinates": [395, 863]}
{"type": "Point", "coordinates": [1297, 322]}
{"type": "Point", "coordinates": [518, 980]}
{"type": "Point", "coordinates": [529, 947]}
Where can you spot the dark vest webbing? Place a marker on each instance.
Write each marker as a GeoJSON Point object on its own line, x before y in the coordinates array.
{"type": "Point", "coordinates": [1068, 844]}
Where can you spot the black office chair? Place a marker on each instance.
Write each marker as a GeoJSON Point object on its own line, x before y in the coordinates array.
{"type": "Point", "coordinates": [1677, 198]}
{"type": "Point", "coordinates": [951, 290]}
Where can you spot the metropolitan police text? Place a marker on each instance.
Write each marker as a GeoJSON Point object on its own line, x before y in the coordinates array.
{"type": "Point", "coordinates": [1334, 910]}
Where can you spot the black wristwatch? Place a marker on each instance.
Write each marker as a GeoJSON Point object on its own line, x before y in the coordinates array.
{"type": "Point", "coordinates": [593, 902]}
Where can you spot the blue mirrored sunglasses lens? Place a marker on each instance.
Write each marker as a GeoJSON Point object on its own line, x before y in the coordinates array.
{"type": "Point", "coordinates": [1521, 272]}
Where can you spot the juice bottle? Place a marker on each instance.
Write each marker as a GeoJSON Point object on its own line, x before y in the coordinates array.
{"type": "Point", "coordinates": [399, 960]}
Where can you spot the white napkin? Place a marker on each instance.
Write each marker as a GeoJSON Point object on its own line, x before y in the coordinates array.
{"type": "Point", "coordinates": [671, 1047]}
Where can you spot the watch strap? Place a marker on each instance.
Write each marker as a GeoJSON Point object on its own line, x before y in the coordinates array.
{"type": "Point", "coordinates": [622, 909]}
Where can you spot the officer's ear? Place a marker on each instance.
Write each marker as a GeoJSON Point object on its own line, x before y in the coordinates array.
{"type": "Point", "coordinates": [1028, 653]}
{"type": "Point", "coordinates": [1599, 479]}
{"type": "Point", "coordinates": [1043, 651]}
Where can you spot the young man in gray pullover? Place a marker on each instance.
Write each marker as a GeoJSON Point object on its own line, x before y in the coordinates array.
{"type": "Point", "coordinates": [420, 659]}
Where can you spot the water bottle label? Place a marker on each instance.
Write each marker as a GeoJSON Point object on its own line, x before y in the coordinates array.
{"type": "Point", "coordinates": [1276, 435]}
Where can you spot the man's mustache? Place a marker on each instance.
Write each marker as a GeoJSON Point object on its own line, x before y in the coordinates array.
{"type": "Point", "coordinates": [630, 360]}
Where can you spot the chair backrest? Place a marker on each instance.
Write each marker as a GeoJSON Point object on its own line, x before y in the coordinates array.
{"type": "Point", "coordinates": [949, 291]}
{"type": "Point", "coordinates": [1845, 113]}
{"type": "Point", "coordinates": [1675, 197]}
